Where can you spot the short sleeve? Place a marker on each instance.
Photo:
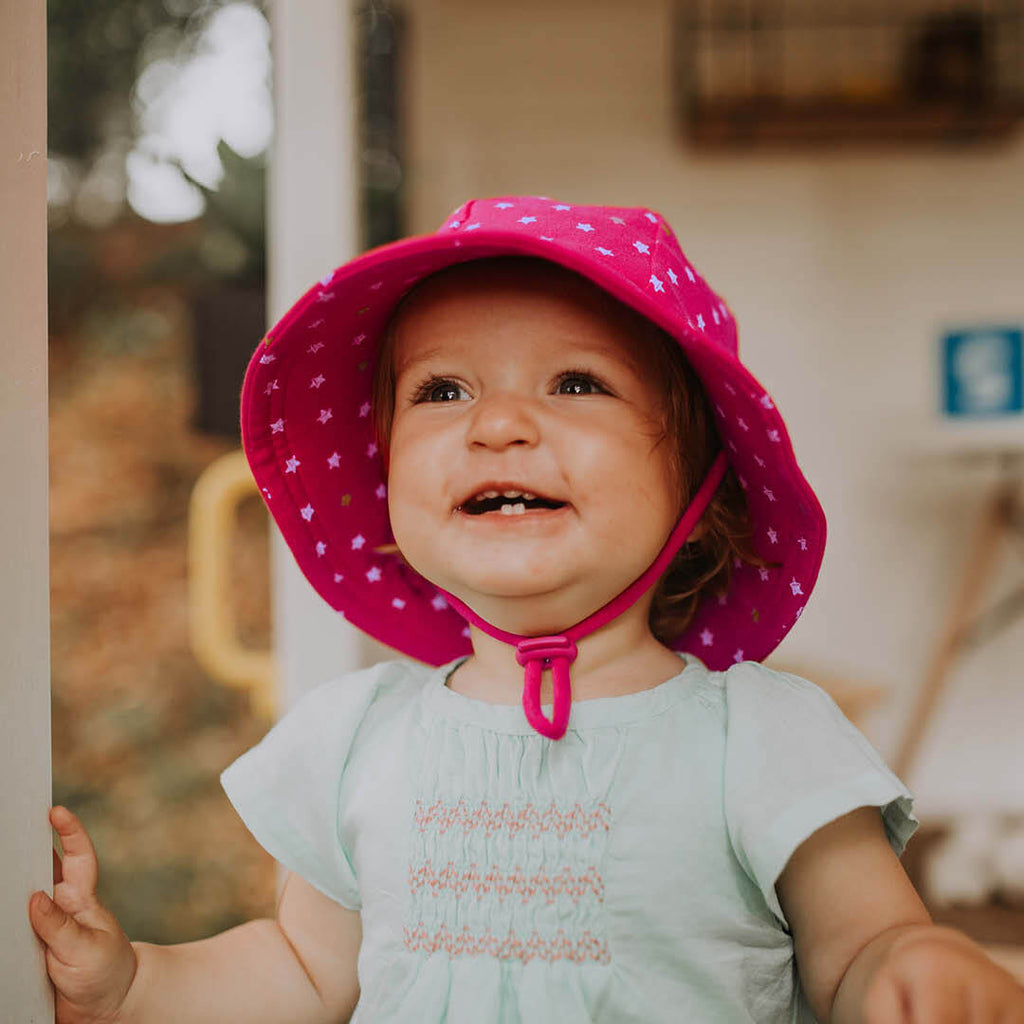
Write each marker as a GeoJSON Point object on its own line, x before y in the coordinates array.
{"type": "Point", "coordinates": [286, 788]}
{"type": "Point", "coordinates": [794, 763]}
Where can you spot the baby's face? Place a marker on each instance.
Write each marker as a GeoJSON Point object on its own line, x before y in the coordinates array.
{"type": "Point", "coordinates": [525, 380]}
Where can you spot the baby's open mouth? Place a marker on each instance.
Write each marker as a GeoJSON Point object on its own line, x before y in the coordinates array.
{"type": "Point", "coordinates": [508, 503]}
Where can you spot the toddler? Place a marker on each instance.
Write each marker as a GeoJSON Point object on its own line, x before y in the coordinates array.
{"type": "Point", "coordinates": [523, 452]}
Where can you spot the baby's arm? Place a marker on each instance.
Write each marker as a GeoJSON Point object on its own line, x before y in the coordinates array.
{"type": "Point", "coordinates": [866, 948]}
{"type": "Point", "coordinates": [300, 968]}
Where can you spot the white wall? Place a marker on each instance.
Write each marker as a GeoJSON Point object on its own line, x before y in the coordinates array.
{"type": "Point", "coordinates": [841, 267]}
{"type": "Point", "coordinates": [25, 835]}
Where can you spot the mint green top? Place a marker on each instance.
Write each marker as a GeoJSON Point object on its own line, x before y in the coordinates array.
{"type": "Point", "coordinates": [625, 873]}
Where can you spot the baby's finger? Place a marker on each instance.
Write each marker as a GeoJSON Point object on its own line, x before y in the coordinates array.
{"type": "Point", "coordinates": [64, 936]}
{"type": "Point", "coordinates": [79, 868]}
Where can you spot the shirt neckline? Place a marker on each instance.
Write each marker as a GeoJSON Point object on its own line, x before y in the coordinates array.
{"type": "Point", "coordinates": [597, 712]}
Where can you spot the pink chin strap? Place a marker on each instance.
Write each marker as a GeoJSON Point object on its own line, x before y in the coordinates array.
{"type": "Point", "coordinates": [535, 653]}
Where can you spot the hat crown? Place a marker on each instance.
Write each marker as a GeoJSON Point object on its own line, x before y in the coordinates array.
{"type": "Point", "coordinates": [635, 244]}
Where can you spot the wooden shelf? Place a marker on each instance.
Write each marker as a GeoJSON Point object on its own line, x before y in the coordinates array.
{"type": "Point", "coordinates": [754, 122]}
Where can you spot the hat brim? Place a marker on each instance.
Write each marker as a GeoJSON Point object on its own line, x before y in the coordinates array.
{"type": "Point", "coordinates": [307, 430]}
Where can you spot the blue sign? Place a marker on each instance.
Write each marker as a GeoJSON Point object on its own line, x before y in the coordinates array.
{"type": "Point", "coordinates": [984, 372]}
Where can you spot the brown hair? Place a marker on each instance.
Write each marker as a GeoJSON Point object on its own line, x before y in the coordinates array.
{"type": "Point", "coordinates": [705, 564]}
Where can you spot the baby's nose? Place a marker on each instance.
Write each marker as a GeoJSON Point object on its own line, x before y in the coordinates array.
{"type": "Point", "coordinates": [501, 420]}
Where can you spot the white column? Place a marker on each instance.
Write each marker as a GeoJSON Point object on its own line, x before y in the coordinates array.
{"type": "Point", "coordinates": [312, 227]}
{"type": "Point", "coordinates": [25, 843]}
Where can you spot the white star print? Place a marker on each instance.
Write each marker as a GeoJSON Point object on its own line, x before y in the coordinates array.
{"type": "Point", "coordinates": [738, 656]}
{"type": "Point", "coordinates": [292, 465]}
{"type": "Point", "coordinates": [742, 423]}
{"type": "Point", "coordinates": [321, 548]}
{"type": "Point", "coordinates": [773, 435]}
{"type": "Point", "coordinates": [603, 251]}
{"type": "Point", "coordinates": [561, 206]}
{"type": "Point", "coordinates": [743, 482]}
{"type": "Point", "coordinates": [767, 402]}
{"type": "Point", "coordinates": [794, 585]}
{"type": "Point", "coordinates": [325, 415]}
{"type": "Point", "coordinates": [618, 220]}
{"type": "Point", "coordinates": [374, 574]}
{"type": "Point", "coordinates": [527, 220]}
{"type": "Point", "coordinates": [358, 541]}
{"type": "Point", "coordinates": [672, 276]}
{"type": "Point", "coordinates": [319, 322]}
{"type": "Point", "coordinates": [763, 573]}
{"type": "Point", "coordinates": [307, 512]}
{"type": "Point", "coordinates": [455, 223]}
{"type": "Point", "coordinates": [651, 218]}
{"type": "Point", "coordinates": [640, 247]}
{"type": "Point", "coordinates": [657, 282]}
{"type": "Point", "coordinates": [325, 297]}
{"type": "Point", "coordinates": [438, 603]}
{"type": "Point", "coordinates": [364, 410]}
{"type": "Point", "coordinates": [359, 339]}
{"type": "Point", "coordinates": [271, 387]}
{"type": "Point", "coordinates": [315, 347]}
{"type": "Point", "coordinates": [799, 612]}
{"type": "Point", "coordinates": [267, 494]}
{"type": "Point", "coordinates": [277, 426]}
{"type": "Point", "coordinates": [267, 360]}
{"type": "Point", "coordinates": [317, 380]}
{"type": "Point", "coordinates": [584, 227]}
{"type": "Point", "coordinates": [338, 577]}
{"type": "Point", "coordinates": [473, 227]}
{"type": "Point", "coordinates": [465, 632]}
{"type": "Point", "coordinates": [546, 238]}
{"type": "Point", "coordinates": [730, 389]}
{"type": "Point", "coordinates": [707, 638]}
{"type": "Point", "coordinates": [689, 274]}
{"type": "Point", "coordinates": [725, 312]}
{"type": "Point", "coordinates": [325, 281]}
{"type": "Point", "coordinates": [376, 286]}
{"type": "Point", "coordinates": [371, 449]}
{"type": "Point", "coordinates": [700, 321]}
{"type": "Point", "coordinates": [803, 543]}
{"type": "Point", "coordinates": [768, 493]}
{"type": "Point", "coordinates": [503, 206]}
{"type": "Point", "coordinates": [773, 536]}
{"type": "Point", "coordinates": [397, 602]}
{"type": "Point", "coordinates": [381, 491]}
{"type": "Point", "coordinates": [714, 315]}
{"type": "Point", "coordinates": [334, 460]}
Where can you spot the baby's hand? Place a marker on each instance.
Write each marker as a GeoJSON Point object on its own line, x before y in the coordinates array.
{"type": "Point", "coordinates": [89, 959]}
{"type": "Point", "coordinates": [941, 977]}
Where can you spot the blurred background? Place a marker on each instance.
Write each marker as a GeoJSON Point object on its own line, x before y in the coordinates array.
{"type": "Point", "coordinates": [850, 176]}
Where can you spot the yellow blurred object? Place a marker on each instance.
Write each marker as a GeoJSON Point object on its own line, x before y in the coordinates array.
{"type": "Point", "coordinates": [217, 494]}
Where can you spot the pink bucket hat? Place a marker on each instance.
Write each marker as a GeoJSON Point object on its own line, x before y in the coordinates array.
{"type": "Point", "coordinates": [308, 434]}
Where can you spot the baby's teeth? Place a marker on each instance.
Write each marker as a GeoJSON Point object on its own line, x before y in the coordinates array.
{"type": "Point", "coordinates": [513, 510]}
{"type": "Point", "coordinates": [528, 496]}
{"type": "Point", "coordinates": [489, 494]}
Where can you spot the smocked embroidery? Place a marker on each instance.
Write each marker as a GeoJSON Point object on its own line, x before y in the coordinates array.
{"type": "Point", "coordinates": [512, 821]}
{"type": "Point", "coordinates": [516, 881]}
{"type": "Point", "coordinates": [586, 949]}
{"type": "Point", "coordinates": [523, 885]}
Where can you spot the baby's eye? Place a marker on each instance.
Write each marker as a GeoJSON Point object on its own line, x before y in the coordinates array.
{"type": "Point", "coordinates": [575, 383]}
{"type": "Point", "coordinates": [435, 390]}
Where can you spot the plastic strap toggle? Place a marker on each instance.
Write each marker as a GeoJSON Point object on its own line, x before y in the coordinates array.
{"type": "Point", "coordinates": [536, 653]}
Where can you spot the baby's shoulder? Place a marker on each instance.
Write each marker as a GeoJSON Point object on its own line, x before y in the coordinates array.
{"type": "Point", "coordinates": [750, 687]}
{"type": "Point", "coordinates": [366, 694]}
